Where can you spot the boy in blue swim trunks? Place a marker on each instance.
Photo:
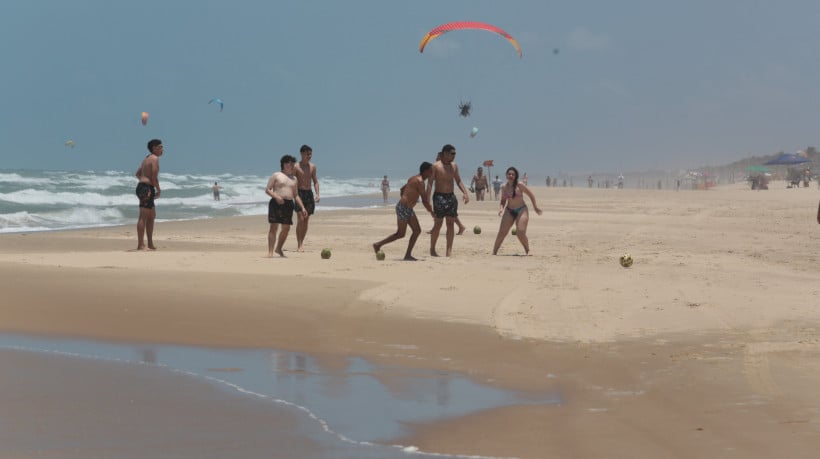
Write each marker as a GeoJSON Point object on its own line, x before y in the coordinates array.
{"type": "Point", "coordinates": [405, 215]}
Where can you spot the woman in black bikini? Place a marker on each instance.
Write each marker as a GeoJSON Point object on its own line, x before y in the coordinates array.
{"type": "Point", "coordinates": [514, 210]}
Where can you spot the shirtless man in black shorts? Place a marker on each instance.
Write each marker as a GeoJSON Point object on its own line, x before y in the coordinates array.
{"type": "Point", "coordinates": [445, 203]}
{"type": "Point", "coordinates": [282, 190]}
{"type": "Point", "coordinates": [305, 174]}
{"type": "Point", "coordinates": [479, 183]}
{"type": "Point", "coordinates": [148, 190]}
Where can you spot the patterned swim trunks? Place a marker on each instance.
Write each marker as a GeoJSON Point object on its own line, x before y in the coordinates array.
{"type": "Point", "coordinates": [445, 205]}
{"type": "Point", "coordinates": [404, 213]}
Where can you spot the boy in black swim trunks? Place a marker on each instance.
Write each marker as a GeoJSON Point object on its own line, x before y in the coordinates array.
{"type": "Point", "coordinates": [148, 190]}
{"type": "Point", "coordinates": [284, 195]}
{"type": "Point", "coordinates": [305, 173]}
{"type": "Point", "coordinates": [405, 215]}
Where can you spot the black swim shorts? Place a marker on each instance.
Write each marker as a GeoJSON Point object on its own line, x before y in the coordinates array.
{"type": "Point", "coordinates": [281, 213]}
{"type": "Point", "coordinates": [146, 194]}
{"type": "Point", "coordinates": [307, 199]}
{"type": "Point", "coordinates": [445, 205]}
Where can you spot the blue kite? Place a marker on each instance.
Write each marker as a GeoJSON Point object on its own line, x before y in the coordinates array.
{"type": "Point", "coordinates": [217, 101]}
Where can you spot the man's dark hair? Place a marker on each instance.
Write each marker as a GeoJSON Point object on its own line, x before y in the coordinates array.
{"type": "Point", "coordinates": [424, 166]}
{"type": "Point", "coordinates": [153, 143]}
{"type": "Point", "coordinates": [305, 148]}
{"type": "Point", "coordinates": [448, 148]}
{"type": "Point", "coordinates": [285, 160]}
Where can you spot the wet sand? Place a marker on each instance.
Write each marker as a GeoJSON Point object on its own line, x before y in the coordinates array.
{"type": "Point", "coordinates": [706, 347]}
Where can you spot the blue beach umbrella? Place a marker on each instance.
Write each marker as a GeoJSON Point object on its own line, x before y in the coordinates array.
{"type": "Point", "coordinates": [787, 159]}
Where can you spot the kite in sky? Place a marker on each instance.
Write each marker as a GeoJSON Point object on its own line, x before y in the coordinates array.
{"type": "Point", "coordinates": [69, 143]}
{"type": "Point", "coordinates": [217, 101]}
{"type": "Point", "coordinates": [144, 118]}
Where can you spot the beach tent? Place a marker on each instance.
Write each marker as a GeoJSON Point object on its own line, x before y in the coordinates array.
{"type": "Point", "coordinates": [787, 158]}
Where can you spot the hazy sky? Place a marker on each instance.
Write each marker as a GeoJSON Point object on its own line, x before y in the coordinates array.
{"type": "Point", "coordinates": [634, 85]}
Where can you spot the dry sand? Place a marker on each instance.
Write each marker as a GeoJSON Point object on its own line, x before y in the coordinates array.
{"type": "Point", "coordinates": [707, 347]}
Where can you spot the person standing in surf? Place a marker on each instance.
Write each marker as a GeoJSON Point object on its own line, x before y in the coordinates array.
{"type": "Point", "coordinates": [147, 190]}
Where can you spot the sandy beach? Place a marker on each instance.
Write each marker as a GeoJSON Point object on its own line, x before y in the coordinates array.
{"type": "Point", "coordinates": [708, 346]}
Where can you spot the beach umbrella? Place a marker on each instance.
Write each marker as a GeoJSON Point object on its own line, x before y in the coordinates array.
{"type": "Point", "coordinates": [787, 159]}
{"type": "Point", "coordinates": [757, 169]}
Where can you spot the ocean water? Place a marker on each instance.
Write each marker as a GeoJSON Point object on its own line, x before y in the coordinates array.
{"type": "Point", "coordinates": [32, 200]}
{"type": "Point", "coordinates": [354, 407]}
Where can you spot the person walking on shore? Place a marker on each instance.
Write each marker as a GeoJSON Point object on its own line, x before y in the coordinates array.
{"type": "Point", "coordinates": [405, 215]}
{"type": "Point", "coordinates": [385, 188]}
{"type": "Point", "coordinates": [306, 176]}
{"type": "Point", "coordinates": [479, 183]}
{"type": "Point", "coordinates": [497, 187]}
{"type": "Point", "coordinates": [445, 203]}
{"type": "Point", "coordinates": [147, 190]}
{"type": "Point", "coordinates": [284, 195]}
{"type": "Point", "coordinates": [216, 189]}
{"type": "Point", "coordinates": [514, 211]}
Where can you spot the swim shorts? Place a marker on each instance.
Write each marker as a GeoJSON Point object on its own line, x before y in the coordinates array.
{"type": "Point", "coordinates": [307, 199]}
{"type": "Point", "coordinates": [445, 205]}
{"type": "Point", "coordinates": [404, 213]}
{"type": "Point", "coordinates": [281, 213]}
{"type": "Point", "coordinates": [146, 193]}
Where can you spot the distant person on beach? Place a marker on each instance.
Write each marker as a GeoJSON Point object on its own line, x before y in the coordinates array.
{"type": "Point", "coordinates": [385, 188]}
{"type": "Point", "coordinates": [283, 191]}
{"type": "Point", "coordinates": [405, 215]}
{"type": "Point", "coordinates": [497, 187]}
{"type": "Point", "coordinates": [524, 179]}
{"type": "Point", "coordinates": [479, 183]}
{"type": "Point", "coordinates": [216, 189]}
{"type": "Point", "coordinates": [306, 175]}
{"type": "Point", "coordinates": [514, 210]}
{"type": "Point", "coordinates": [148, 190]}
{"type": "Point", "coordinates": [445, 203]}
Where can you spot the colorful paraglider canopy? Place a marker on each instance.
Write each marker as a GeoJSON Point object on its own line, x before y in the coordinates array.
{"type": "Point", "coordinates": [467, 25]}
{"type": "Point", "coordinates": [144, 118]}
{"type": "Point", "coordinates": [488, 163]}
{"type": "Point", "coordinates": [473, 132]}
{"type": "Point", "coordinates": [217, 101]}
{"type": "Point", "coordinates": [69, 143]}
